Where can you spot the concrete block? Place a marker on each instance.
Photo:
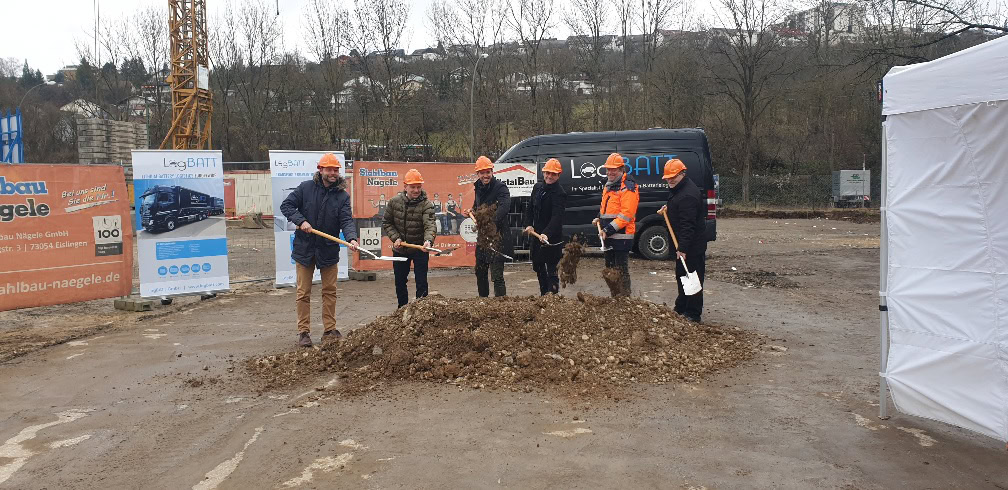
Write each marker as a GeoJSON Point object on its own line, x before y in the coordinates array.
{"type": "Point", "coordinates": [363, 276]}
{"type": "Point", "coordinates": [134, 303]}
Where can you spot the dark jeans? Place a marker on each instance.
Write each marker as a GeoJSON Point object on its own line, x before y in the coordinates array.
{"type": "Point", "coordinates": [401, 270]}
{"type": "Point", "coordinates": [691, 306]}
{"type": "Point", "coordinates": [620, 259]}
{"type": "Point", "coordinates": [544, 263]}
{"type": "Point", "coordinates": [496, 268]}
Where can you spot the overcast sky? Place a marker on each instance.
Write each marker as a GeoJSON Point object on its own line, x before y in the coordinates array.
{"type": "Point", "coordinates": [47, 32]}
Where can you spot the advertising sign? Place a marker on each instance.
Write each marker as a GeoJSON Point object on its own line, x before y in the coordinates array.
{"type": "Point", "coordinates": [181, 236]}
{"type": "Point", "coordinates": [288, 169]}
{"type": "Point", "coordinates": [449, 186]}
{"type": "Point", "coordinates": [519, 177]}
{"type": "Point", "coordinates": [64, 235]}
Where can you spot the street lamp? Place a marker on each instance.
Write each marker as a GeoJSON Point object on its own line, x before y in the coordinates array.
{"type": "Point", "coordinates": [472, 88]}
{"type": "Point", "coordinates": [33, 88]}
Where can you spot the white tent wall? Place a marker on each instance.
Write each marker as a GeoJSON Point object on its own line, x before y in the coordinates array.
{"type": "Point", "coordinates": [945, 241]}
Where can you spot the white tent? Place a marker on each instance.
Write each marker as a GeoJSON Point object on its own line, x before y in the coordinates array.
{"type": "Point", "coordinates": [944, 248]}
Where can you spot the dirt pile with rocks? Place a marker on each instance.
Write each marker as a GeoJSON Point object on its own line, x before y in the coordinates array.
{"type": "Point", "coordinates": [568, 264]}
{"type": "Point", "coordinates": [589, 347]}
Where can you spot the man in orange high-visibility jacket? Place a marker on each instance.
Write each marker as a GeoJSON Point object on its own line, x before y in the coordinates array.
{"type": "Point", "coordinates": [618, 216]}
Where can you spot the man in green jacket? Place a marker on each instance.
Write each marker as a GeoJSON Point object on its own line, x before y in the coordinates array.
{"type": "Point", "coordinates": [409, 218]}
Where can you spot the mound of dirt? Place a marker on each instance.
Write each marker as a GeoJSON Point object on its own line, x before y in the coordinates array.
{"type": "Point", "coordinates": [568, 264]}
{"type": "Point", "coordinates": [486, 230]}
{"type": "Point", "coordinates": [587, 347]}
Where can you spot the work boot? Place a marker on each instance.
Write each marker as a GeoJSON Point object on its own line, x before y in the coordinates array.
{"type": "Point", "coordinates": [304, 340]}
{"type": "Point", "coordinates": [331, 335]}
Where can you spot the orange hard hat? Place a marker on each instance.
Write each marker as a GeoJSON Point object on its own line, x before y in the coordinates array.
{"type": "Point", "coordinates": [552, 165]}
{"type": "Point", "coordinates": [329, 160]}
{"type": "Point", "coordinates": [673, 167]}
{"type": "Point", "coordinates": [413, 177]}
{"type": "Point", "coordinates": [483, 163]}
{"type": "Point", "coordinates": [615, 160]}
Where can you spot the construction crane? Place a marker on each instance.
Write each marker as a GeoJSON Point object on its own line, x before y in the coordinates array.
{"type": "Point", "coordinates": [192, 102]}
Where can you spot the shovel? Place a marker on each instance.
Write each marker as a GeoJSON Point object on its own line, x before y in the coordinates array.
{"type": "Point", "coordinates": [603, 247]}
{"type": "Point", "coordinates": [539, 237]}
{"type": "Point", "coordinates": [345, 243]}
{"type": "Point", "coordinates": [690, 282]}
{"type": "Point", "coordinates": [437, 252]}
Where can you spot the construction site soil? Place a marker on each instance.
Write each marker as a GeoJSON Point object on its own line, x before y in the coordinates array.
{"type": "Point", "coordinates": [587, 347]}
{"type": "Point", "coordinates": [95, 397]}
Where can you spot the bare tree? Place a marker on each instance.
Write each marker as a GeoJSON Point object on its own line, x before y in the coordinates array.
{"type": "Point", "coordinates": [326, 24]}
{"type": "Point", "coordinates": [245, 49]}
{"type": "Point", "coordinates": [654, 15]}
{"type": "Point", "coordinates": [382, 25]}
{"type": "Point", "coordinates": [748, 62]}
{"type": "Point", "coordinates": [624, 18]}
{"type": "Point", "coordinates": [588, 20]}
{"type": "Point", "coordinates": [531, 22]}
{"type": "Point", "coordinates": [148, 42]}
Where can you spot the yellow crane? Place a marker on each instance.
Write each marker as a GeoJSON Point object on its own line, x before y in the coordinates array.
{"type": "Point", "coordinates": [192, 102]}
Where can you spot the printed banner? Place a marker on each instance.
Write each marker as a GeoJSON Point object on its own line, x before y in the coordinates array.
{"type": "Point", "coordinates": [62, 235]}
{"type": "Point", "coordinates": [448, 185]}
{"type": "Point", "coordinates": [519, 177]}
{"type": "Point", "coordinates": [180, 225]}
{"type": "Point", "coordinates": [288, 169]}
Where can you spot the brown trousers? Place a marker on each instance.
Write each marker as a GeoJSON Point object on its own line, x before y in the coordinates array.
{"type": "Point", "coordinates": [304, 288]}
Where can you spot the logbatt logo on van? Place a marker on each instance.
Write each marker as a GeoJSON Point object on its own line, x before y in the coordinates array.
{"type": "Point", "coordinates": [191, 162]}
{"type": "Point", "coordinates": [641, 165]}
{"type": "Point", "coordinates": [22, 188]}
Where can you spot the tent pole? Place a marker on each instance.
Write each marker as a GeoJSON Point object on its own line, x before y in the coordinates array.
{"type": "Point", "coordinates": [883, 285]}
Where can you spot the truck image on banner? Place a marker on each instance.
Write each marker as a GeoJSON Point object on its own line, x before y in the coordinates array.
{"type": "Point", "coordinates": [181, 238]}
{"type": "Point", "coordinates": [163, 208]}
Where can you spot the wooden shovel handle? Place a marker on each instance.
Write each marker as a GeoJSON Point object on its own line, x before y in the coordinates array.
{"type": "Point", "coordinates": [410, 245]}
{"type": "Point", "coordinates": [330, 237]}
{"type": "Point", "coordinates": [598, 224]}
{"type": "Point", "coordinates": [533, 233]}
{"type": "Point", "coordinates": [664, 213]}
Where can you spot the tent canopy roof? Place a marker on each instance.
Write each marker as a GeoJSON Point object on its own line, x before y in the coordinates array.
{"type": "Point", "coordinates": [974, 75]}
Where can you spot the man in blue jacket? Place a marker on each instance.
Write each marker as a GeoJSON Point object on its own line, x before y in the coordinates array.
{"type": "Point", "coordinates": [323, 204]}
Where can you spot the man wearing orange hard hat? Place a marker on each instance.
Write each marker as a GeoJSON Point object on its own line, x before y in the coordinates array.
{"type": "Point", "coordinates": [323, 204]}
{"type": "Point", "coordinates": [489, 192]}
{"type": "Point", "coordinates": [687, 216]}
{"type": "Point", "coordinates": [544, 216]}
{"type": "Point", "coordinates": [409, 218]}
{"type": "Point", "coordinates": [618, 217]}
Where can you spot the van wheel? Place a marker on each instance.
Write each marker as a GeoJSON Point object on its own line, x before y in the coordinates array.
{"type": "Point", "coordinates": [655, 243]}
{"type": "Point", "coordinates": [170, 225]}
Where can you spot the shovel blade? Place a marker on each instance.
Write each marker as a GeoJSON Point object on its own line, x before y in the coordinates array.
{"type": "Point", "coordinates": [691, 283]}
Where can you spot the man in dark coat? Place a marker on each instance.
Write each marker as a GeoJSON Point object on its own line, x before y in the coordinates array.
{"type": "Point", "coordinates": [321, 203]}
{"type": "Point", "coordinates": [409, 218]}
{"type": "Point", "coordinates": [687, 215]}
{"type": "Point", "coordinates": [490, 191]}
{"type": "Point", "coordinates": [544, 215]}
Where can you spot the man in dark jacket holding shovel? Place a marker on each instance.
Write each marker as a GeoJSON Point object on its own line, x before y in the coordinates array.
{"type": "Point", "coordinates": [544, 216]}
{"type": "Point", "coordinates": [687, 216]}
{"type": "Point", "coordinates": [323, 204]}
{"type": "Point", "coordinates": [409, 218]}
{"type": "Point", "coordinates": [490, 191]}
